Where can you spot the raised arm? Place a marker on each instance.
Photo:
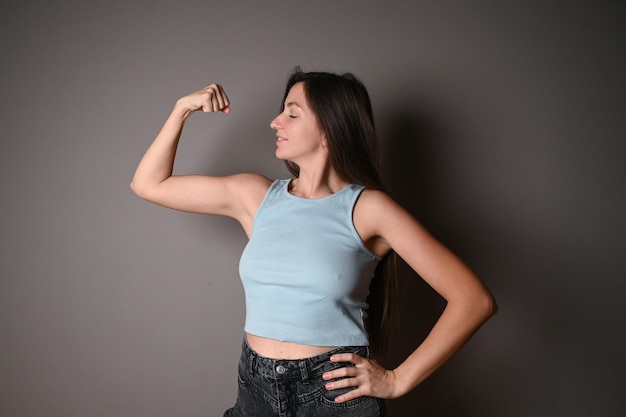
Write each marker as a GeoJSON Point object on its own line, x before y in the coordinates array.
{"type": "Point", "coordinates": [235, 196]}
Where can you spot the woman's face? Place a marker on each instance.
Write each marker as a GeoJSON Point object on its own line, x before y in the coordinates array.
{"type": "Point", "coordinates": [299, 137]}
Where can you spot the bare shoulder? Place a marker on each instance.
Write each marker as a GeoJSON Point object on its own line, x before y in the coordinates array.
{"type": "Point", "coordinates": [374, 206]}
{"type": "Point", "coordinates": [380, 219]}
{"type": "Point", "coordinates": [371, 216]}
{"type": "Point", "coordinates": [375, 198]}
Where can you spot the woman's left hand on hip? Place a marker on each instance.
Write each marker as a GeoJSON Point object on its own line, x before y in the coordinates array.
{"type": "Point", "coordinates": [369, 378]}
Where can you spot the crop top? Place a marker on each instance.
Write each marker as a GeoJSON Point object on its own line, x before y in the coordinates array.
{"type": "Point", "coordinates": [305, 270]}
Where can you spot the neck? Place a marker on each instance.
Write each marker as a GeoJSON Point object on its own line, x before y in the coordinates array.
{"type": "Point", "coordinates": [317, 184]}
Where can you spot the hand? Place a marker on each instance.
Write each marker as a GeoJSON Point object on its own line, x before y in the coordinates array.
{"type": "Point", "coordinates": [367, 375]}
{"type": "Point", "coordinates": [209, 99]}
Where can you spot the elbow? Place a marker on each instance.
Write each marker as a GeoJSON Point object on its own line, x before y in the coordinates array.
{"type": "Point", "coordinates": [488, 305]}
{"type": "Point", "coordinates": [480, 306]}
{"type": "Point", "coordinates": [138, 190]}
{"type": "Point", "coordinates": [476, 306]}
{"type": "Point", "coordinates": [134, 188]}
{"type": "Point", "coordinates": [494, 306]}
{"type": "Point", "coordinates": [147, 190]}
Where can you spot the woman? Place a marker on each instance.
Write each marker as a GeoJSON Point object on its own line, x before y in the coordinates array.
{"type": "Point", "coordinates": [316, 240]}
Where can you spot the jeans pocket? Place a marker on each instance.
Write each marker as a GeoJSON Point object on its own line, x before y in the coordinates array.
{"type": "Point", "coordinates": [243, 377]}
{"type": "Point", "coordinates": [357, 407]}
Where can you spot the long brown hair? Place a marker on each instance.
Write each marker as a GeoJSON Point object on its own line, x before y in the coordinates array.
{"type": "Point", "coordinates": [344, 112]}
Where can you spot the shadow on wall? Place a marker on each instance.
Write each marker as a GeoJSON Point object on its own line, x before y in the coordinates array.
{"type": "Point", "coordinates": [413, 167]}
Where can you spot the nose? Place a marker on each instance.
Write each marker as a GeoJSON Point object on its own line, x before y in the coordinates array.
{"type": "Point", "coordinates": [275, 124]}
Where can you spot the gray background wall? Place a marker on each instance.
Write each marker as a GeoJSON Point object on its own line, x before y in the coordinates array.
{"type": "Point", "coordinates": [502, 124]}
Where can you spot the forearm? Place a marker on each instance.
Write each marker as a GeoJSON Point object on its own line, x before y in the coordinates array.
{"type": "Point", "coordinates": [459, 321]}
{"type": "Point", "coordinates": [157, 163]}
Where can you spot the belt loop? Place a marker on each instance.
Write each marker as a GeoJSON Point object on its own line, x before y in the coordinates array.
{"type": "Point", "coordinates": [304, 372]}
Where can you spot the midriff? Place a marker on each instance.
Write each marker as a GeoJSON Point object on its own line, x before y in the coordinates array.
{"type": "Point", "coordinates": [276, 349]}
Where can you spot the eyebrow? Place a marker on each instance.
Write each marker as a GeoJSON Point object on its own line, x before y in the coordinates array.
{"type": "Point", "coordinates": [292, 103]}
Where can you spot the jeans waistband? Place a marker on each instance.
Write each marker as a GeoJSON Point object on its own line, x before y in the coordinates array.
{"type": "Point", "coordinates": [296, 369]}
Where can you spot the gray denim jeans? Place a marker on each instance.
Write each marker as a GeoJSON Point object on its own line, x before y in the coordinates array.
{"type": "Point", "coordinates": [295, 388]}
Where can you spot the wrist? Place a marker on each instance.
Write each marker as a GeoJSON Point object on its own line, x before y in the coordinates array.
{"type": "Point", "coordinates": [182, 109]}
{"type": "Point", "coordinates": [403, 383]}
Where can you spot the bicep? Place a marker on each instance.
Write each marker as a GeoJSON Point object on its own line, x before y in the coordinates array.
{"type": "Point", "coordinates": [231, 196]}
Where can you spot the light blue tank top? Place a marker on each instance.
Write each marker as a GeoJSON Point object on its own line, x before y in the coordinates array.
{"type": "Point", "coordinates": [305, 270]}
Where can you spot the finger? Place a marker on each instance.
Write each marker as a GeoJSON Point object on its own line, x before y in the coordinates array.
{"type": "Point", "coordinates": [215, 104]}
{"type": "Point", "coordinates": [219, 100]}
{"type": "Point", "coordinates": [348, 371]}
{"type": "Point", "coordinates": [207, 99]}
{"type": "Point", "coordinates": [222, 97]}
{"type": "Point", "coordinates": [214, 98]}
{"type": "Point", "coordinates": [342, 383]}
{"type": "Point", "coordinates": [350, 395]}
{"type": "Point", "coordinates": [347, 357]}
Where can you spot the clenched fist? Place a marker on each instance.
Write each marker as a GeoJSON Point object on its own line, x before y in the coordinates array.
{"type": "Point", "coordinates": [209, 99]}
